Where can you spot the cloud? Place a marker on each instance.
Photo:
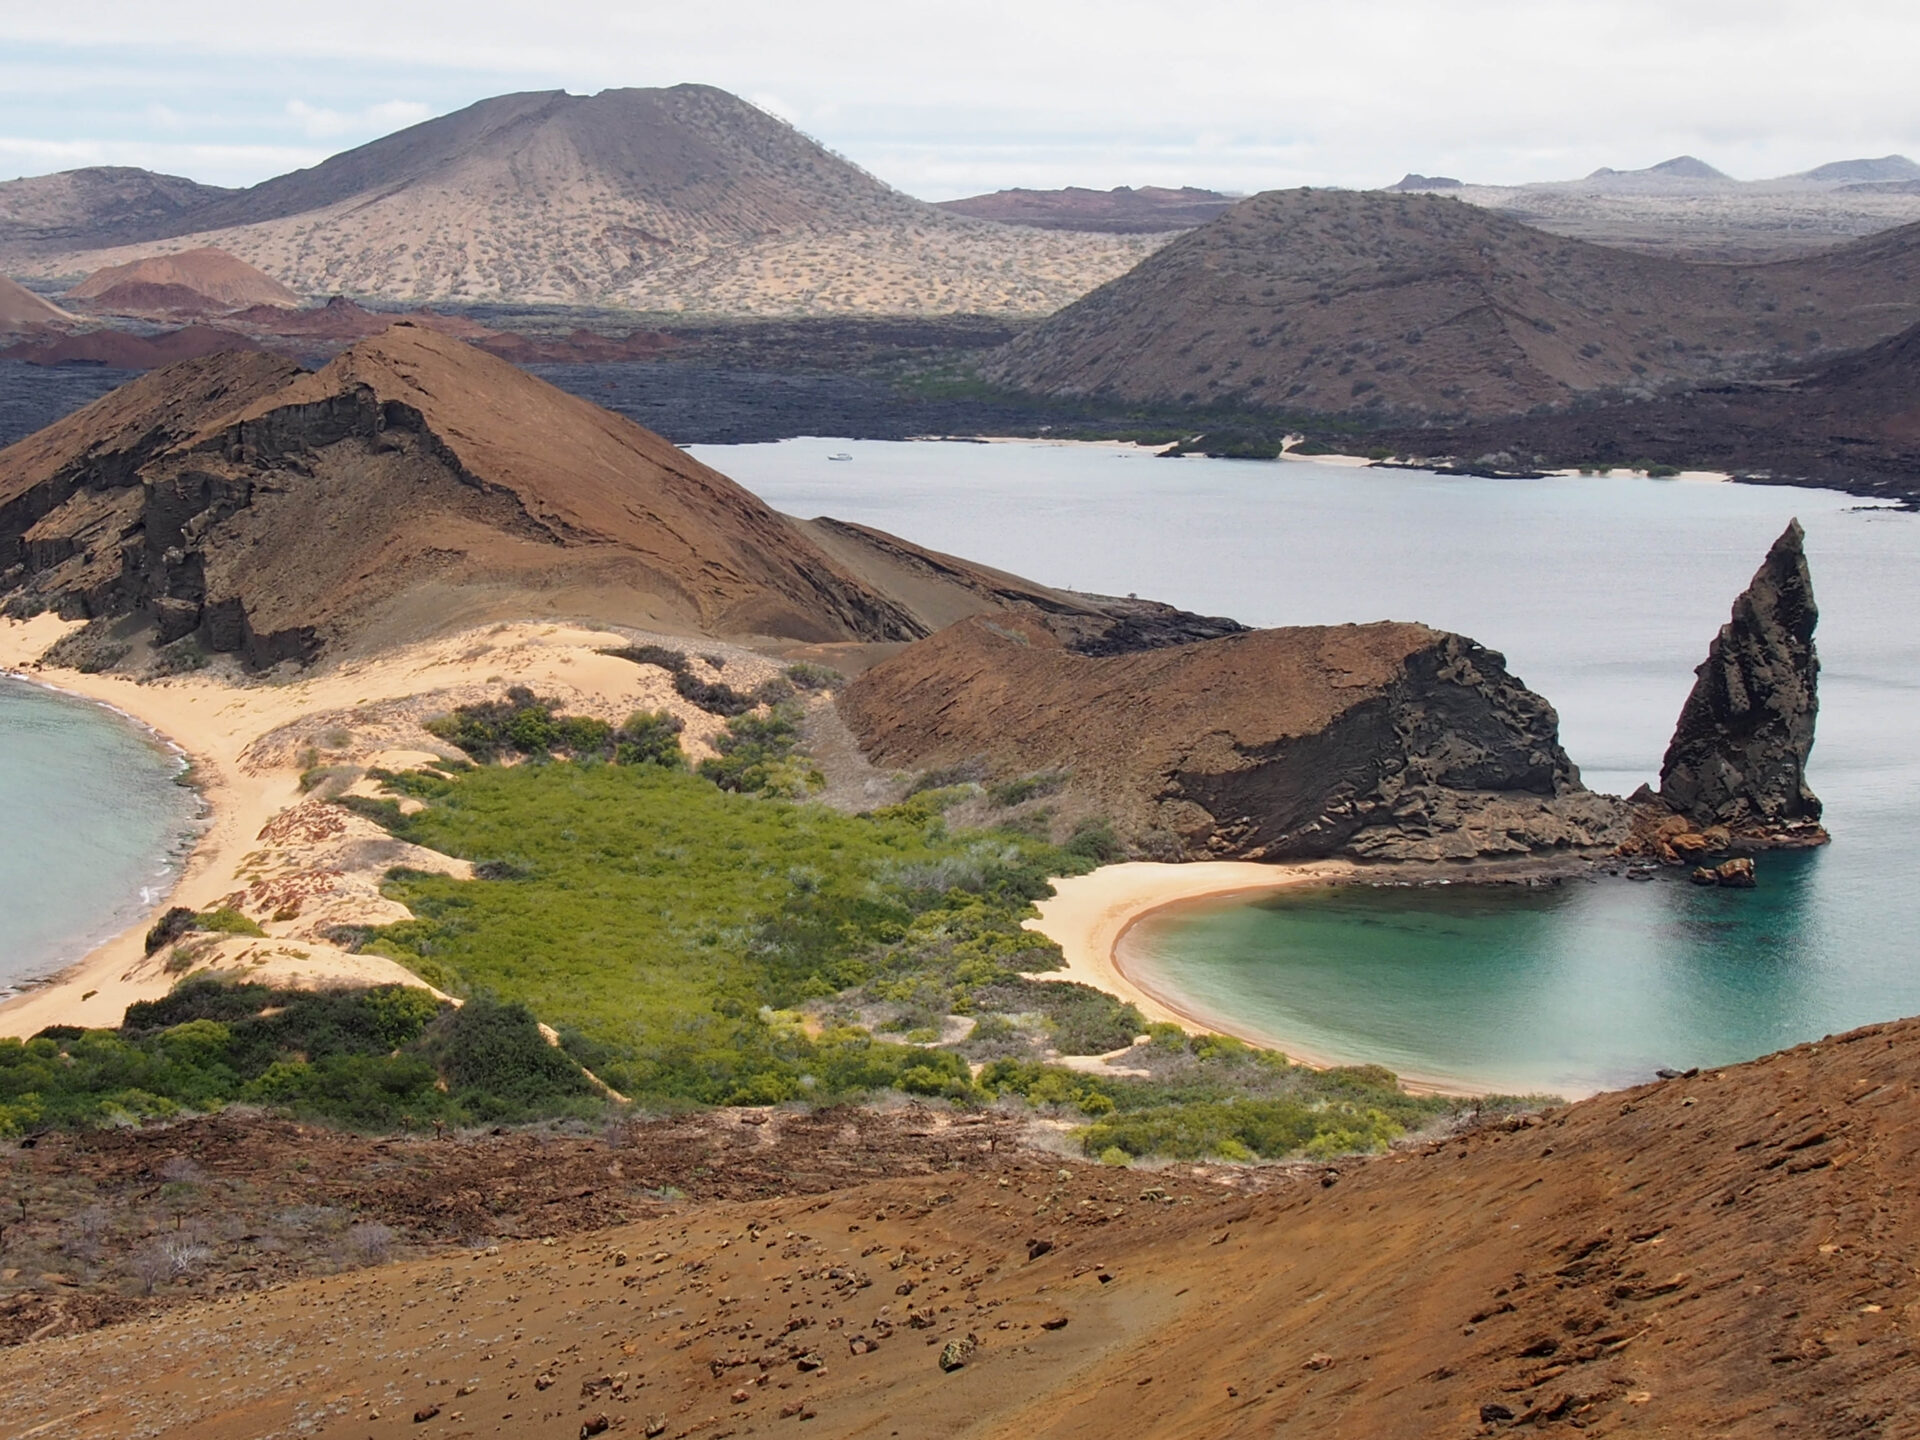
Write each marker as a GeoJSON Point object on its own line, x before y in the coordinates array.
{"type": "Point", "coordinates": [211, 164]}
{"type": "Point", "coordinates": [322, 123]}
{"type": "Point", "coordinates": [1248, 93]}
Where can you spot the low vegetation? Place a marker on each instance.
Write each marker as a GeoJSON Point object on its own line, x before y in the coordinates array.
{"type": "Point", "coordinates": [699, 936]}
{"type": "Point", "coordinates": [391, 1057]}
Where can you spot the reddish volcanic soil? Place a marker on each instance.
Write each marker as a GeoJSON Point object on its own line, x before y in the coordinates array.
{"type": "Point", "coordinates": [1727, 1254]}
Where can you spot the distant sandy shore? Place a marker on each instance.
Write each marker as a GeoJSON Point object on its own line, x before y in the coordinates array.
{"type": "Point", "coordinates": [297, 867]}
{"type": "Point", "coordinates": [1089, 915]}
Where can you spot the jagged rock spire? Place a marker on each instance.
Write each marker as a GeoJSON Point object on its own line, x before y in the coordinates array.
{"type": "Point", "coordinates": [1739, 754]}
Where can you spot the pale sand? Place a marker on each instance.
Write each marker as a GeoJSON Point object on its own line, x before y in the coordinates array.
{"type": "Point", "coordinates": [268, 848]}
{"type": "Point", "coordinates": [1089, 915]}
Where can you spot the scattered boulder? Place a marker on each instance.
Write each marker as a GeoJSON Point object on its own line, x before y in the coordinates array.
{"type": "Point", "coordinates": [955, 1353]}
{"type": "Point", "coordinates": [1738, 758]}
{"type": "Point", "coordinates": [1735, 874]}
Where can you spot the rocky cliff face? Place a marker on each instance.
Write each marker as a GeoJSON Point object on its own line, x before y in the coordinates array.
{"type": "Point", "coordinates": [1738, 758]}
{"type": "Point", "coordinates": [1384, 742]}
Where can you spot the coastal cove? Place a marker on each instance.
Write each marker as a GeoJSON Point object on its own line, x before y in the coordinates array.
{"type": "Point", "coordinates": [1603, 593]}
{"type": "Point", "coordinates": [96, 826]}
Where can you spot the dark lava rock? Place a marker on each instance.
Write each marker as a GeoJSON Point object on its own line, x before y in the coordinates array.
{"type": "Point", "coordinates": [1739, 754]}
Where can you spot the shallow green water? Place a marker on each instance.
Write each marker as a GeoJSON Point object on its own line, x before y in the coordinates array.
{"type": "Point", "coordinates": [92, 827]}
{"type": "Point", "coordinates": [1580, 987]}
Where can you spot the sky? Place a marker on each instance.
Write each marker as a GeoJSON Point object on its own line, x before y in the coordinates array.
{"type": "Point", "coordinates": [944, 99]}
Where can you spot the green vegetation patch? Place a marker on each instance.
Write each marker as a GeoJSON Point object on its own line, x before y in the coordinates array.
{"type": "Point", "coordinates": [652, 915]}
{"type": "Point", "coordinates": [378, 1058]}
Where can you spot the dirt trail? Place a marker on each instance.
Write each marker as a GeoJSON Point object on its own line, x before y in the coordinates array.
{"type": "Point", "coordinates": [1730, 1254]}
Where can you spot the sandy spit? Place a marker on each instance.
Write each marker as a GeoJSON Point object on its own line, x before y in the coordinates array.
{"type": "Point", "coordinates": [298, 867]}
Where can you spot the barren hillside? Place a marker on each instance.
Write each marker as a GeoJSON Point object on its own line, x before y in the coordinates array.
{"type": "Point", "coordinates": [416, 484]}
{"type": "Point", "coordinates": [1382, 742]}
{"type": "Point", "coordinates": [1120, 211]}
{"type": "Point", "coordinates": [1337, 302]}
{"type": "Point", "coordinates": [189, 282]}
{"type": "Point", "coordinates": [1728, 1253]}
{"type": "Point", "coordinates": [21, 310]}
{"type": "Point", "coordinates": [678, 199]}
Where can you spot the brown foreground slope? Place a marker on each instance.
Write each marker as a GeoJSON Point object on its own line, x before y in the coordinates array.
{"type": "Point", "coordinates": [416, 485]}
{"type": "Point", "coordinates": [1384, 741]}
{"type": "Point", "coordinates": [1730, 1253]}
{"type": "Point", "coordinates": [1328, 302]}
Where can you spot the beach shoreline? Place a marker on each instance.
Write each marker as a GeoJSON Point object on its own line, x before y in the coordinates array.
{"type": "Point", "coordinates": [1089, 917]}
{"type": "Point", "coordinates": [266, 845]}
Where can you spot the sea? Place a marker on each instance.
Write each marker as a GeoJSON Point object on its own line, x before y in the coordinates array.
{"type": "Point", "coordinates": [1603, 592]}
{"type": "Point", "coordinates": [94, 827]}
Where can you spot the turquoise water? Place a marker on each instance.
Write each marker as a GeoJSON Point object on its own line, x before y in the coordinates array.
{"type": "Point", "coordinates": [92, 827]}
{"type": "Point", "coordinates": [1603, 592]}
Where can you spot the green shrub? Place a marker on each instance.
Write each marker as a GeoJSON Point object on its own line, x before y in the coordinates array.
{"type": "Point", "coordinates": [1019, 790]}
{"type": "Point", "coordinates": [650, 737]}
{"type": "Point", "coordinates": [227, 921]}
{"type": "Point", "coordinates": [805, 676]}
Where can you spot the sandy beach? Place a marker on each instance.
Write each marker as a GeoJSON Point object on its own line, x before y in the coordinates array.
{"type": "Point", "coordinates": [296, 866]}
{"type": "Point", "coordinates": [1089, 915]}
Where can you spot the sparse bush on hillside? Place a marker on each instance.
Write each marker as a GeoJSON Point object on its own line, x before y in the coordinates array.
{"type": "Point", "coordinates": [757, 755]}
{"type": "Point", "coordinates": [805, 676]}
{"type": "Point", "coordinates": [373, 1058]}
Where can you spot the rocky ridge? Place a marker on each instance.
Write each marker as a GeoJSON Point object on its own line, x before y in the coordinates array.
{"type": "Point", "coordinates": [1121, 211]}
{"type": "Point", "coordinates": [1380, 742]}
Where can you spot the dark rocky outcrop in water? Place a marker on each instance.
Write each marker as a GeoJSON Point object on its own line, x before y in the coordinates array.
{"type": "Point", "coordinates": [1738, 758]}
{"type": "Point", "coordinates": [1379, 742]}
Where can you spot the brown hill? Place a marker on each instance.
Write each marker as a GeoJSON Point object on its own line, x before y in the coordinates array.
{"type": "Point", "coordinates": [1120, 211]}
{"type": "Point", "coordinates": [668, 199]}
{"type": "Point", "coordinates": [415, 484]}
{"type": "Point", "coordinates": [22, 311]}
{"type": "Point", "coordinates": [1328, 302]}
{"type": "Point", "coordinates": [100, 205]}
{"type": "Point", "coordinates": [1727, 1253]}
{"type": "Point", "coordinates": [188, 282]}
{"type": "Point", "coordinates": [1382, 741]}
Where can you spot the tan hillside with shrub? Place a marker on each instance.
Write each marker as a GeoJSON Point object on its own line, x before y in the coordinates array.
{"type": "Point", "coordinates": [1373, 304]}
{"type": "Point", "coordinates": [671, 199]}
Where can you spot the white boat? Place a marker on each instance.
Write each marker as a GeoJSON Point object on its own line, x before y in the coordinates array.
{"type": "Point", "coordinates": [842, 455]}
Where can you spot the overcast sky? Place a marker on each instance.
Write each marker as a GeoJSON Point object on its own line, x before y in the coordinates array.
{"type": "Point", "coordinates": [951, 99]}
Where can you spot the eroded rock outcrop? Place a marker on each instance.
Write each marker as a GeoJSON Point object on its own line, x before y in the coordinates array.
{"type": "Point", "coordinates": [1738, 758]}
{"type": "Point", "coordinates": [1384, 742]}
